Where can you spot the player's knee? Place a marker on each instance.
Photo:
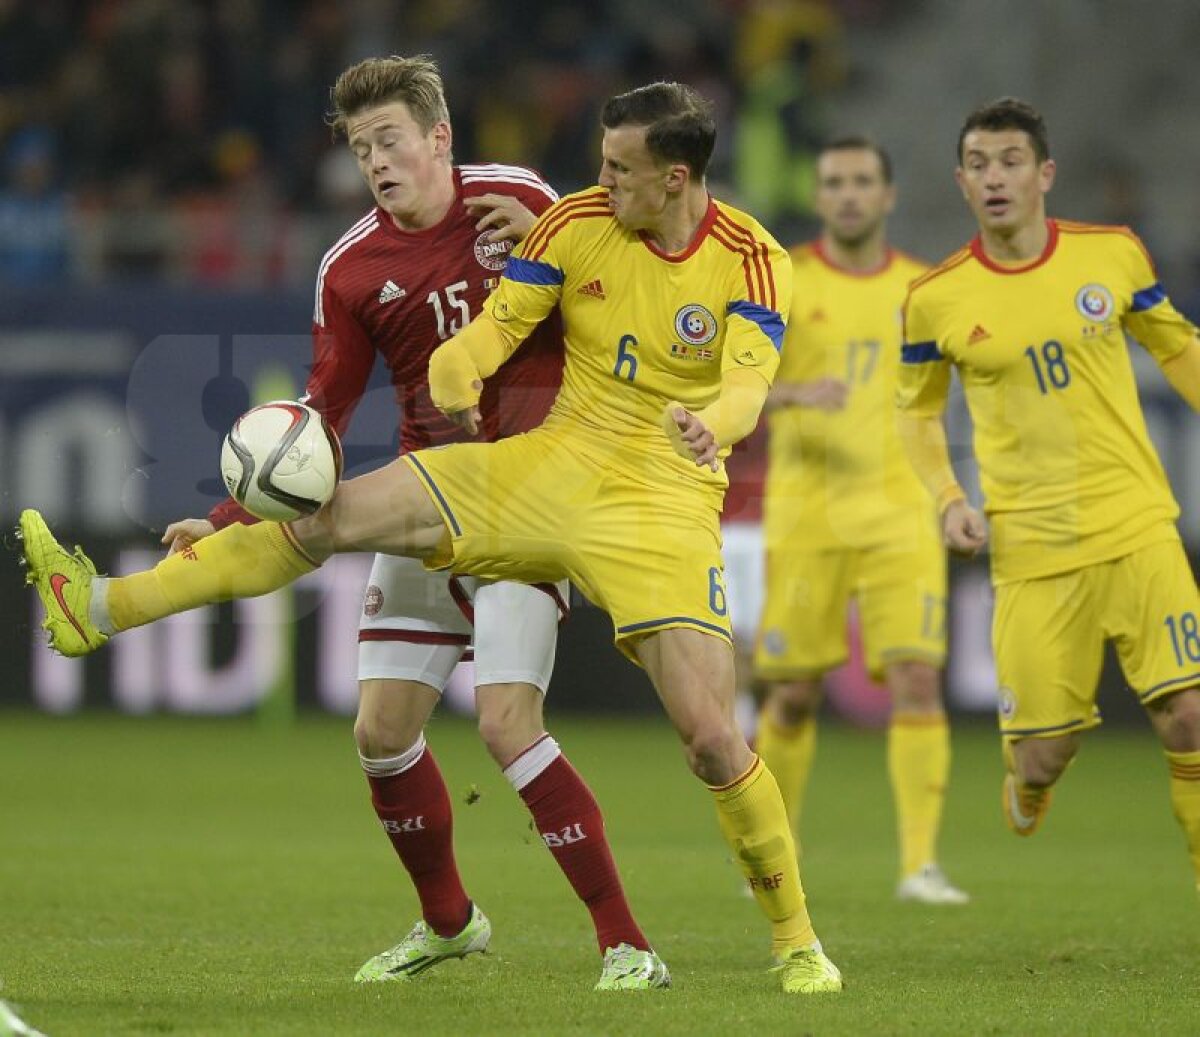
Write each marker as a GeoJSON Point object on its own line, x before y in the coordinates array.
{"type": "Point", "coordinates": [381, 733]}
{"type": "Point", "coordinates": [1177, 720]}
{"type": "Point", "coordinates": [711, 751]}
{"type": "Point", "coordinates": [793, 702]}
{"type": "Point", "coordinates": [510, 719]}
{"type": "Point", "coordinates": [915, 686]}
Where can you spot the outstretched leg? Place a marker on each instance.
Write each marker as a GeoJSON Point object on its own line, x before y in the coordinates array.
{"type": "Point", "coordinates": [387, 510]}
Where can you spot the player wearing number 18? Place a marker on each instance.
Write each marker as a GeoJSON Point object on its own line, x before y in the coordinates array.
{"type": "Point", "coordinates": [1033, 314]}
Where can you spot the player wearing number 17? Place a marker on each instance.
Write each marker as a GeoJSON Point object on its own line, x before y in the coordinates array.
{"type": "Point", "coordinates": [1033, 314]}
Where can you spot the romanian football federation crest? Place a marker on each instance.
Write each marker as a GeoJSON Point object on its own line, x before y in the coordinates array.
{"type": "Point", "coordinates": [1095, 302]}
{"type": "Point", "coordinates": [695, 325]}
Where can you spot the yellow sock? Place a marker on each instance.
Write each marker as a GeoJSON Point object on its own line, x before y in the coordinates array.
{"type": "Point", "coordinates": [918, 751]}
{"type": "Point", "coordinates": [1185, 798]}
{"type": "Point", "coordinates": [237, 562]}
{"type": "Point", "coordinates": [754, 823]}
{"type": "Point", "coordinates": [788, 753]}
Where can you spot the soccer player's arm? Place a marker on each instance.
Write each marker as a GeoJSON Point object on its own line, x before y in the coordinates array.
{"type": "Point", "coordinates": [528, 290]}
{"type": "Point", "coordinates": [1167, 334]}
{"type": "Point", "coordinates": [755, 321]}
{"type": "Point", "coordinates": [922, 386]}
{"type": "Point", "coordinates": [343, 356]}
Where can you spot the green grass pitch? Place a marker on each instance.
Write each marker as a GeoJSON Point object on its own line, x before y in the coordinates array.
{"type": "Point", "coordinates": [168, 876]}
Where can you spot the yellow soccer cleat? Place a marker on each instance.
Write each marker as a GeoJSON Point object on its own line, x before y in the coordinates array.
{"type": "Point", "coordinates": [806, 970]}
{"type": "Point", "coordinates": [64, 583]}
{"type": "Point", "coordinates": [1023, 814]}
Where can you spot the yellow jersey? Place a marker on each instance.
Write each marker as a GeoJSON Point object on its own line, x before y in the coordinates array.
{"type": "Point", "coordinates": [643, 327]}
{"type": "Point", "coordinates": [1070, 477]}
{"type": "Point", "coordinates": [841, 478]}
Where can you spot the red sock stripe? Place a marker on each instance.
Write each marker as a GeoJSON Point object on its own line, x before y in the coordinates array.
{"type": "Point", "coordinates": [1185, 771]}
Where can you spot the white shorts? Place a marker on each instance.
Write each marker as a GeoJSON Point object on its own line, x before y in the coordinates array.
{"type": "Point", "coordinates": [418, 625]}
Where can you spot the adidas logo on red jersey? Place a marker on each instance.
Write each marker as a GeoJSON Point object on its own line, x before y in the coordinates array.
{"type": "Point", "coordinates": [391, 291]}
{"type": "Point", "coordinates": [593, 288]}
{"type": "Point", "coordinates": [978, 334]}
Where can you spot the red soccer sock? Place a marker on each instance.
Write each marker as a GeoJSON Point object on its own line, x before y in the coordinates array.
{"type": "Point", "coordinates": [414, 809]}
{"type": "Point", "coordinates": [569, 821]}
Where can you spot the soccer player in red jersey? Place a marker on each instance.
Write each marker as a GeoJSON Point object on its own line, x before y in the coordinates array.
{"type": "Point", "coordinates": [404, 278]}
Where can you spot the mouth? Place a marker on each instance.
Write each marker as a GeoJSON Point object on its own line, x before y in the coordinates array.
{"type": "Point", "coordinates": [384, 186]}
{"type": "Point", "coordinates": [997, 206]}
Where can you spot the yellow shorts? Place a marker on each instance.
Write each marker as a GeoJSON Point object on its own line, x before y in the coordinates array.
{"type": "Point", "coordinates": [901, 597]}
{"type": "Point", "coordinates": [539, 507]}
{"type": "Point", "coordinates": [1049, 634]}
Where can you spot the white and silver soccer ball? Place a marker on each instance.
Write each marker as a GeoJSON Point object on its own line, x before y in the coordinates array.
{"type": "Point", "coordinates": [281, 460]}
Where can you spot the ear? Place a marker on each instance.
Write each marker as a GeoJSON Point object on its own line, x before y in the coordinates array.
{"type": "Point", "coordinates": [443, 139]}
{"type": "Point", "coordinates": [1046, 174]}
{"type": "Point", "coordinates": [889, 199]}
{"type": "Point", "coordinates": [678, 176]}
{"type": "Point", "coordinates": [961, 181]}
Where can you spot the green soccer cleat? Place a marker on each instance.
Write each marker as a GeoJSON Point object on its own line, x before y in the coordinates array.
{"type": "Point", "coordinates": [64, 583]}
{"type": "Point", "coordinates": [422, 948]}
{"type": "Point", "coordinates": [806, 970]}
{"type": "Point", "coordinates": [929, 885]}
{"type": "Point", "coordinates": [1022, 817]}
{"type": "Point", "coordinates": [627, 968]}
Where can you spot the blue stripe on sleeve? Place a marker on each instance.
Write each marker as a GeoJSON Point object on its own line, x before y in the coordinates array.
{"type": "Point", "coordinates": [768, 320]}
{"type": "Point", "coordinates": [532, 271]}
{"type": "Point", "coordinates": [920, 353]}
{"type": "Point", "coordinates": [1147, 297]}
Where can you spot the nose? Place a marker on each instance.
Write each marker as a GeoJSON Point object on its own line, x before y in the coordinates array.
{"type": "Point", "coordinates": [605, 179]}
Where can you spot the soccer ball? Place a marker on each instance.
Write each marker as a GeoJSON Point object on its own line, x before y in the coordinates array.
{"type": "Point", "coordinates": [281, 460]}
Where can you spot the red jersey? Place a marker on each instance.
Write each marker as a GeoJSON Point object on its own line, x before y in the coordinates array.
{"type": "Point", "coordinates": [401, 294]}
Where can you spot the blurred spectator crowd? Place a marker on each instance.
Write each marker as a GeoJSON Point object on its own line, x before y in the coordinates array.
{"type": "Point", "coordinates": [185, 140]}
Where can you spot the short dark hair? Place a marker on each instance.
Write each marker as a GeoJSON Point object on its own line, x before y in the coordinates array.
{"type": "Point", "coordinates": [1008, 113]}
{"type": "Point", "coordinates": [680, 124]}
{"type": "Point", "coordinates": [860, 142]}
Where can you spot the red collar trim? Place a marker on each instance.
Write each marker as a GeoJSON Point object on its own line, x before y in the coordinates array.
{"type": "Point", "coordinates": [710, 217]}
{"type": "Point", "coordinates": [818, 247]}
{"type": "Point", "coordinates": [1051, 243]}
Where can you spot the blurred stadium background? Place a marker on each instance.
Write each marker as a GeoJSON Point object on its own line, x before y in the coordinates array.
{"type": "Point", "coordinates": [167, 187]}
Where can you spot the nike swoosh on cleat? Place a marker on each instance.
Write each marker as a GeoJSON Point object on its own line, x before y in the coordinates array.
{"type": "Point", "coordinates": [57, 582]}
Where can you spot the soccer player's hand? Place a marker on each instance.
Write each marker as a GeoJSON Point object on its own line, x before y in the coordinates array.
{"type": "Point", "coordinates": [186, 532]}
{"type": "Point", "coordinates": [510, 220]}
{"type": "Point", "coordinates": [470, 418]}
{"type": "Point", "coordinates": [690, 437]}
{"type": "Point", "coordinates": [964, 528]}
{"type": "Point", "coordinates": [828, 394]}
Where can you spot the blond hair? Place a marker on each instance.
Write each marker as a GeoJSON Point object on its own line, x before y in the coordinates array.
{"type": "Point", "coordinates": [415, 81]}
